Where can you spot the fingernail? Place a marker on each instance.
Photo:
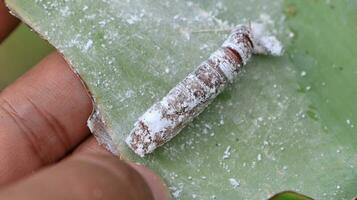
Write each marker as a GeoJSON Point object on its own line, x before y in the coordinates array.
{"type": "Point", "coordinates": [156, 184]}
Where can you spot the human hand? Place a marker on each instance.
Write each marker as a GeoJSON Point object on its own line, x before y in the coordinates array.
{"type": "Point", "coordinates": [46, 150]}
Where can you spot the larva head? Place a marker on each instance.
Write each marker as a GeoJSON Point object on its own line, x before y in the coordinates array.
{"type": "Point", "coordinates": [264, 42]}
{"type": "Point", "coordinates": [253, 38]}
{"type": "Point", "coordinates": [240, 41]}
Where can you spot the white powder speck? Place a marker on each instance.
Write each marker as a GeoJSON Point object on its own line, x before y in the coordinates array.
{"type": "Point", "coordinates": [291, 34]}
{"type": "Point", "coordinates": [303, 73]}
{"type": "Point", "coordinates": [65, 11]}
{"type": "Point", "coordinates": [102, 23]}
{"type": "Point", "coordinates": [208, 126]}
{"type": "Point", "coordinates": [204, 46]}
{"type": "Point", "coordinates": [176, 192]}
{"type": "Point", "coordinates": [133, 19]}
{"type": "Point", "coordinates": [88, 45]}
{"type": "Point", "coordinates": [349, 122]}
{"type": "Point", "coordinates": [265, 44]}
{"type": "Point", "coordinates": [155, 122]}
{"type": "Point", "coordinates": [235, 184]}
{"type": "Point", "coordinates": [266, 19]}
{"type": "Point", "coordinates": [227, 153]}
{"type": "Point", "coordinates": [259, 157]}
{"type": "Point", "coordinates": [129, 93]}
{"type": "Point", "coordinates": [85, 8]}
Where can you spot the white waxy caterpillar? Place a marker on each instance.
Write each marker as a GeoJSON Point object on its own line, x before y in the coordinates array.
{"type": "Point", "coordinates": [165, 119]}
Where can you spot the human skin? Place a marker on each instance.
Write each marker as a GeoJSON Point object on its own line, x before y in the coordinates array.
{"type": "Point", "coordinates": [46, 149]}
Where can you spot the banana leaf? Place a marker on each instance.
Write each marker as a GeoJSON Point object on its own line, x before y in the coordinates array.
{"type": "Point", "coordinates": [286, 123]}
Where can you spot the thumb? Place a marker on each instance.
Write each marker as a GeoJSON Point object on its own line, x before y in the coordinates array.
{"type": "Point", "coordinates": [89, 176]}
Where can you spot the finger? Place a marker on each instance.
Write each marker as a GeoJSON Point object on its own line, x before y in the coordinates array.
{"type": "Point", "coordinates": [7, 22]}
{"type": "Point", "coordinates": [155, 183]}
{"type": "Point", "coordinates": [90, 145]}
{"type": "Point", "coordinates": [157, 186]}
{"type": "Point", "coordinates": [43, 116]}
{"type": "Point", "coordinates": [86, 176]}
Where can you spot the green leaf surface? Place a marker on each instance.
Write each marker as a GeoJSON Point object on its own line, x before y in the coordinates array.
{"type": "Point", "coordinates": [286, 123]}
{"type": "Point", "coordinates": [18, 53]}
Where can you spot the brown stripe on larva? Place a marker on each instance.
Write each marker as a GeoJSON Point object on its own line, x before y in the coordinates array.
{"type": "Point", "coordinates": [246, 37]}
{"type": "Point", "coordinates": [185, 101]}
{"type": "Point", "coordinates": [233, 55]}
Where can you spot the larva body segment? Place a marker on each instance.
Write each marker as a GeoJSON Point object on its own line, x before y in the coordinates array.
{"type": "Point", "coordinates": [190, 97]}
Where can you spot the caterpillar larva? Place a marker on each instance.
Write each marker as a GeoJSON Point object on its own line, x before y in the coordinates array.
{"type": "Point", "coordinates": [185, 101]}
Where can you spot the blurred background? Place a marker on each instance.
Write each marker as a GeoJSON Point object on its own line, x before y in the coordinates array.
{"type": "Point", "coordinates": [19, 52]}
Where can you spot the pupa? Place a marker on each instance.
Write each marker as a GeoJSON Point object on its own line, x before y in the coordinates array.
{"type": "Point", "coordinates": [166, 118]}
